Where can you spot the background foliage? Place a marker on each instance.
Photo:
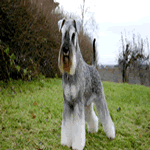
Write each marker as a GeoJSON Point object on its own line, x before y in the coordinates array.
{"type": "Point", "coordinates": [30, 40]}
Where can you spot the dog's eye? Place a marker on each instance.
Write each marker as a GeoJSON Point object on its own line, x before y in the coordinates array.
{"type": "Point", "coordinates": [73, 38]}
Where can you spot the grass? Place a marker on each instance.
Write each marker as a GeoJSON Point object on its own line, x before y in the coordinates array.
{"type": "Point", "coordinates": [31, 114]}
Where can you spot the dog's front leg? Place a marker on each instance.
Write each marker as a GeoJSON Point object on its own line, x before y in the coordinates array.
{"type": "Point", "coordinates": [66, 128]}
{"type": "Point", "coordinates": [78, 128]}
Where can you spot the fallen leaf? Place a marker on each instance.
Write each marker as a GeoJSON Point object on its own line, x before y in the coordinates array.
{"type": "Point", "coordinates": [140, 135]}
{"type": "Point", "coordinates": [35, 103]}
{"type": "Point", "coordinates": [33, 116]}
{"type": "Point", "coordinates": [19, 128]}
{"type": "Point", "coordinates": [27, 140]}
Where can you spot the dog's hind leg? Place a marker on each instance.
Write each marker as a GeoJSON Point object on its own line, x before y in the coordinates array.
{"type": "Point", "coordinates": [91, 118]}
{"type": "Point", "coordinates": [104, 116]}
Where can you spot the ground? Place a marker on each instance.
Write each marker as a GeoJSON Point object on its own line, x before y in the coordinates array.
{"type": "Point", "coordinates": [31, 115]}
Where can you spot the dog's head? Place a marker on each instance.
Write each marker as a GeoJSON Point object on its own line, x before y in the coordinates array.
{"type": "Point", "coordinates": [67, 60]}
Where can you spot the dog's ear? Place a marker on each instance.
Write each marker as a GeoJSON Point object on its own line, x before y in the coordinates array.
{"type": "Point", "coordinates": [60, 24]}
{"type": "Point", "coordinates": [77, 26]}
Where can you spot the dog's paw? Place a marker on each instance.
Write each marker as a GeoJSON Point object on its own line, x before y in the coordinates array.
{"type": "Point", "coordinates": [66, 142]}
{"type": "Point", "coordinates": [110, 131]}
{"type": "Point", "coordinates": [111, 134]}
{"type": "Point", "coordinates": [78, 145]}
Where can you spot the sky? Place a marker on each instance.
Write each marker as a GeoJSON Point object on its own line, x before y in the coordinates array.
{"type": "Point", "coordinates": [112, 18]}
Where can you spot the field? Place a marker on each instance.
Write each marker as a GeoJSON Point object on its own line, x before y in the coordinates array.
{"type": "Point", "coordinates": [31, 114]}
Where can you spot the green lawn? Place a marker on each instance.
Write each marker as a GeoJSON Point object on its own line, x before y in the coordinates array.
{"type": "Point", "coordinates": [31, 114]}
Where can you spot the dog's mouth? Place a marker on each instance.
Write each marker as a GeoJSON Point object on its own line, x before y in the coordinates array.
{"type": "Point", "coordinates": [66, 53]}
{"type": "Point", "coordinates": [66, 60]}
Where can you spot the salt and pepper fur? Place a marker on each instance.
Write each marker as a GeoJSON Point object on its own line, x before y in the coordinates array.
{"type": "Point", "coordinates": [82, 87]}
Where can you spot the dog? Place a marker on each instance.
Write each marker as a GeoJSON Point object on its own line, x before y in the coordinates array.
{"type": "Point", "coordinates": [82, 87]}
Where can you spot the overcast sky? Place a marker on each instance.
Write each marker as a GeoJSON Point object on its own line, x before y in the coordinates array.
{"type": "Point", "coordinates": [114, 17]}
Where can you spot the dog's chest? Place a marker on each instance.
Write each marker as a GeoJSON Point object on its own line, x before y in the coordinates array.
{"type": "Point", "coordinates": [70, 91]}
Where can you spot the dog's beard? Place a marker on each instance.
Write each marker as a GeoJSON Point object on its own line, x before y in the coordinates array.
{"type": "Point", "coordinates": [67, 63]}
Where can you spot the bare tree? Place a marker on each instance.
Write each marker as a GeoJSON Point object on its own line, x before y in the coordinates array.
{"type": "Point", "coordinates": [133, 56]}
{"type": "Point", "coordinates": [148, 60]}
{"type": "Point", "coordinates": [123, 60]}
{"type": "Point", "coordinates": [140, 61]}
{"type": "Point", "coordinates": [88, 22]}
{"type": "Point", "coordinates": [82, 14]}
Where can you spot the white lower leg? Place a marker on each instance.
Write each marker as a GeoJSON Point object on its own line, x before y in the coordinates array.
{"type": "Point", "coordinates": [66, 133]}
{"type": "Point", "coordinates": [109, 129]}
{"type": "Point", "coordinates": [78, 129]}
{"type": "Point", "coordinates": [91, 119]}
{"type": "Point", "coordinates": [78, 134]}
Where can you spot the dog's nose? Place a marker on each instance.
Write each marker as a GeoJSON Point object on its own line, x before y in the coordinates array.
{"type": "Point", "coordinates": [66, 49]}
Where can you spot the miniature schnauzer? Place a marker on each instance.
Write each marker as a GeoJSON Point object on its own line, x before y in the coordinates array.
{"type": "Point", "coordinates": [82, 87]}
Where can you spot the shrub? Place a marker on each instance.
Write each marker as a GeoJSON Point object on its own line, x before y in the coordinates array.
{"type": "Point", "coordinates": [30, 40]}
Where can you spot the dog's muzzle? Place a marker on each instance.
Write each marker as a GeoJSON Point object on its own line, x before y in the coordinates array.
{"type": "Point", "coordinates": [66, 59]}
{"type": "Point", "coordinates": [66, 56]}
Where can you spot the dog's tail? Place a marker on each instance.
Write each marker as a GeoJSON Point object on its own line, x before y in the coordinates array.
{"type": "Point", "coordinates": [94, 53]}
